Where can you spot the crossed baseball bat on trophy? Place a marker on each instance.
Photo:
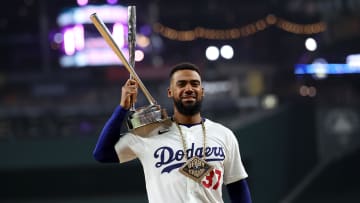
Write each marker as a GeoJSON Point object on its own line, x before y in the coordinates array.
{"type": "Point", "coordinates": [142, 120]}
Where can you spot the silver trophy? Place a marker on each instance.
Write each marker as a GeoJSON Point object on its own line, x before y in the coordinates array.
{"type": "Point", "coordinates": [132, 40]}
{"type": "Point", "coordinates": [141, 121]}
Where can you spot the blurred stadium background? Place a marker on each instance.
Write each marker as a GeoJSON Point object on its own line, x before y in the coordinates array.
{"type": "Point", "coordinates": [284, 75]}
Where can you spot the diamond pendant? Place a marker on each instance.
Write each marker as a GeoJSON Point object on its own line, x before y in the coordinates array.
{"type": "Point", "coordinates": [196, 168]}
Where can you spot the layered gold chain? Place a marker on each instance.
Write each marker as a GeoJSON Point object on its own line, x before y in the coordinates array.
{"type": "Point", "coordinates": [184, 142]}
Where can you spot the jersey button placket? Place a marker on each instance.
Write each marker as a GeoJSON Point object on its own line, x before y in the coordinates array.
{"type": "Point", "coordinates": [192, 186]}
{"type": "Point", "coordinates": [189, 187]}
{"type": "Point", "coordinates": [187, 137]}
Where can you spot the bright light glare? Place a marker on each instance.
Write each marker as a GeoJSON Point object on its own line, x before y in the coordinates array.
{"type": "Point", "coordinates": [212, 53]}
{"type": "Point", "coordinates": [139, 55]}
{"type": "Point", "coordinates": [69, 45]}
{"type": "Point", "coordinates": [227, 52]}
{"type": "Point", "coordinates": [270, 101]}
{"type": "Point", "coordinates": [320, 70]}
{"type": "Point", "coordinates": [82, 2]}
{"type": "Point", "coordinates": [310, 44]}
{"type": "Point", "coordinates": [79, 37]}
{"type": "Point", "coordinates": [118, 34]}
{"type": "Point", "coordinates": [353, 60]}
{"type": "Point", "coordinates": [142, 40]}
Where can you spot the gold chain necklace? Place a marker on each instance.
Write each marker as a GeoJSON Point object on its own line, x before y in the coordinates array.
{"type": "Point", "coordinates": [184, 142]}
{"type": "Point", "coordinates": [195, 167]}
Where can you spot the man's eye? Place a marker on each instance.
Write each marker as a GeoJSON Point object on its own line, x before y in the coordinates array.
{"type": "Point", "coordinates": [181, 84]}
{"type": "Point", "coordinates": [195, 84]}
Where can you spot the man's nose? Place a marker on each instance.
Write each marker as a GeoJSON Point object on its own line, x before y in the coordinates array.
{"type": "Point", "coordinates": [188, 88]}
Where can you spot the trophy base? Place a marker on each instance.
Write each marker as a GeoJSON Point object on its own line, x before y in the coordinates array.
{"type": "Point", "coordinates": [146, 130]}
{"type": "Point", "coordinates": [145, 119]}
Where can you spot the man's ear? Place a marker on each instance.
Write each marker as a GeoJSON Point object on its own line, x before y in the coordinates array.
{"type": "Point", "coordinates": [169, 92]}
{"type": "Point", "coordinates": [203, 91]}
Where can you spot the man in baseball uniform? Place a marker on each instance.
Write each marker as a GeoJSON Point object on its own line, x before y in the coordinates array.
{"type": "Point", "coordinates": [188, 160]}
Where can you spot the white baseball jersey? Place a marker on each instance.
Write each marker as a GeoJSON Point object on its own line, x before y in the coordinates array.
{"type": "Point", "coordinates": [161, 155]}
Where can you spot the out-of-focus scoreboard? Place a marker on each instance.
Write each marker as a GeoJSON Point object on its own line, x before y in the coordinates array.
{"type": "Point", "coordinates": [82, 45]}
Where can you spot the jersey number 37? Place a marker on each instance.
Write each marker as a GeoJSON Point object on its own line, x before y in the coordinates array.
{"type": "Point", "coordinates": [210, 181]}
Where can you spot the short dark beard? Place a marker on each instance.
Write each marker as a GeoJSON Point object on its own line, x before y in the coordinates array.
{"type": "Point", "coordinates": [188, 110]}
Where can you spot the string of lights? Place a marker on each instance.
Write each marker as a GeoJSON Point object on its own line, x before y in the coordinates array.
{"type": "Point", "coordinates": [243, 31]}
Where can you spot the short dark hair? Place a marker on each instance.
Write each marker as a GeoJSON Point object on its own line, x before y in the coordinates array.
{"type": "Point", "coordinates": [184, 66]}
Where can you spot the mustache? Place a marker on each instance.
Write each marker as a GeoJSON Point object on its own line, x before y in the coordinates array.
{"type": "Point", "coordinates": [188, 95]}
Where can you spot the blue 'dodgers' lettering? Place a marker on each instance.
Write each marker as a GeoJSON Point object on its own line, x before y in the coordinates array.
{"type": "Point", "coordinates": [169, 158]}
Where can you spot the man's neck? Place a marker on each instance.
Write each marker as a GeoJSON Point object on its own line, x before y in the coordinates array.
{"type": "Point", "coordinates": [183, 119]}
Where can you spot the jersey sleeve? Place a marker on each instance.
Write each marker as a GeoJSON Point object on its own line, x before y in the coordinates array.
{"type": "Point", "coordinates": [234, 169]}
{"type": "Point", "coordinates": [104, 148]}
{"type": "Point", "coordinates": [128, 147]}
